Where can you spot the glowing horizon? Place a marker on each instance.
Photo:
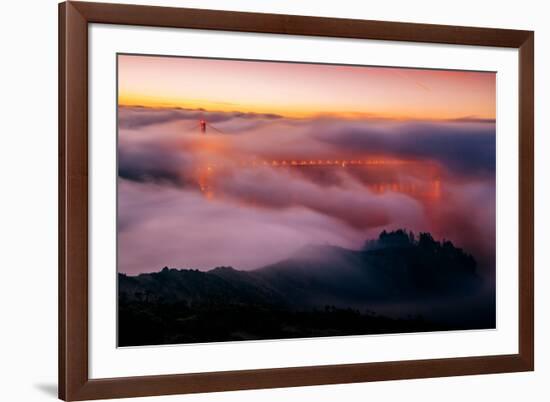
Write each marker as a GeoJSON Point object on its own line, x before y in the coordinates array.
{"type": "Point", "coordinates": [305, 90]}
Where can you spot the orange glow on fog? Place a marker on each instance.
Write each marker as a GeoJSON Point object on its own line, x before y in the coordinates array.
{"type": "Point", "coordinates": [321, 162]}
{"type": "Point", "coordinates": [430, 190]}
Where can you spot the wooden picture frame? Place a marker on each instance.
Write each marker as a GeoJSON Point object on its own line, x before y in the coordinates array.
{"type": "Point", "coordinates": [74, 381]}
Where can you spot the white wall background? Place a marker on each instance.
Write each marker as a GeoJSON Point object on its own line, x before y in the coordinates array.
{"type": "Point", "coordinates": [28, 200]}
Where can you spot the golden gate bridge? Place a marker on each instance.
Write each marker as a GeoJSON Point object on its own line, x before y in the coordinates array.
{"type": "Point", "coordinates": [431, 171]}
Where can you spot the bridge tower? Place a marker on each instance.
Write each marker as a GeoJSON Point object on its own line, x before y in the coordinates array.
{"type": "Point", "coordinates": [202, 125]}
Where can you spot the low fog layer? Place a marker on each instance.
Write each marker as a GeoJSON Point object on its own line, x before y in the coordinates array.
{"type": "Point", "coordinates": [193, 200]}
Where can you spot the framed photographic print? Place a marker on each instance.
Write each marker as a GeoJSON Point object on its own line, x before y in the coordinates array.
{"type": "Point", "coordinates": [258, 201]}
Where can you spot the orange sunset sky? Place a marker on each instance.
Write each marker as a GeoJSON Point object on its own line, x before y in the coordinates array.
{"type": "Point", "coordinates": [305, 90]}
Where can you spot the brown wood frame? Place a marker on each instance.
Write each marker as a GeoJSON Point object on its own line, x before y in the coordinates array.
{"type": "Point", "coordinates": [74, 383]}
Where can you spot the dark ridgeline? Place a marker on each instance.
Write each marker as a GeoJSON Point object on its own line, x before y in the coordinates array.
{"type": "Point", "coordinates": [398, 283]}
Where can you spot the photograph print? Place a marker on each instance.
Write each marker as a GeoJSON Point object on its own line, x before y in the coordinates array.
{"type": "Point", "coordinates": [263, 200]}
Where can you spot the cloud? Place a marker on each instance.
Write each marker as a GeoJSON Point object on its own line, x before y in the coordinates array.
{"type": "Point", "coordinates": [134, 117]}
{"type": "Point", "coordinates": [465, 148]}
{"type": "Point", "coordinates": [160, 225]}
{"type": "Point", "coordinates": [348, 202]}
{"type": "Point", "coordinates": [258, 213]}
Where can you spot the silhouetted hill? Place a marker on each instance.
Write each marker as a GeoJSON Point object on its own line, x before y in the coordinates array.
{"type": "Point", "coordinates": [219, 286]}
{"type": "Point", "coordinates": [397, 275]}
{"type": "Point", "coordinates": [393, 268]}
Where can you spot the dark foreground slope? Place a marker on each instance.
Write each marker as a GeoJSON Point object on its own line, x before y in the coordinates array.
{"type": "Point", "coordinates": [395, 284]}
